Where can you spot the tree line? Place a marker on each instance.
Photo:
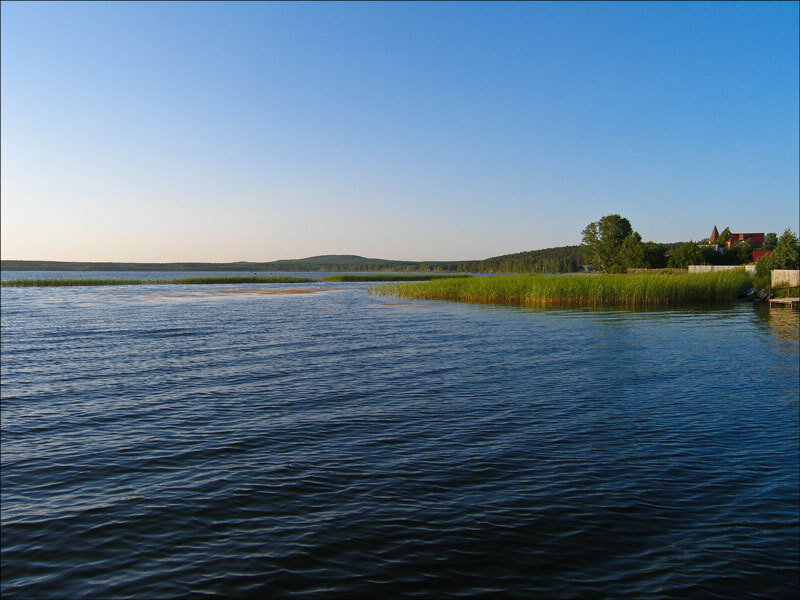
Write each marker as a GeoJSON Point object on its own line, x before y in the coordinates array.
{"type": "Point", "coordinates": [612, 246]}
{"type": "Point", "coordinates": [564, 259]}
{"type": "Point", "coordinates": [551, 260]}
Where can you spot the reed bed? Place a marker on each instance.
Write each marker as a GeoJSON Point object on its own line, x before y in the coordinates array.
{"type": "Point", "coordinates": [390, 277]}
{"type": "Point", "coordinates": [188, 280]}
{"type": "Point", "coordinates": [626, 291]}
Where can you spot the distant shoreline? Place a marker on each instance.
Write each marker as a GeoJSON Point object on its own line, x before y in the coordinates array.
{"type": "Point", "coordinates": [224, 280]}
{"type": "Point", "coordinates": [549, 260]}
{"type": "Point", "coordinates": [318, 264]}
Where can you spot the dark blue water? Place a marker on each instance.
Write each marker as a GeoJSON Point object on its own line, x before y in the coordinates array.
{"type": "Point", "coordinates": [337, 444]}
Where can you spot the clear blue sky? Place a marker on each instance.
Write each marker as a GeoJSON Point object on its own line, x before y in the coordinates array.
{"type": "Point", "coordinates": [225, 131]}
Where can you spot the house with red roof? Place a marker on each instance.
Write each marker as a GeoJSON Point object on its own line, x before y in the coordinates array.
{"type": "Point", "coordinates": [755, 239]}
{"type": "Point", "coordinates": [731, 239]}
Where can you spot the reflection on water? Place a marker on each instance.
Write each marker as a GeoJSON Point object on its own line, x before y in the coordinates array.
{"type": "Point", "coordinates": [783, 322]}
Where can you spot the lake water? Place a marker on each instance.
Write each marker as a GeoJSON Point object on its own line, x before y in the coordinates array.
{"type": "Point", "coordinates": [162, 442]}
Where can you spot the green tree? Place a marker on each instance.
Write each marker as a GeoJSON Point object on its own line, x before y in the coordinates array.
{"type": "Point", "coordinates": [712, 256]}
{"type": "Point", "coordinates": [631, 253]}
{"type": "Point", "coordinates": [602, 241]}
{"type": "Point", "coordinates": [786, 255]}
{"type": "Point", "coordinates": [685, 255]}
{"type": "Point", "coordinates": [654, 255]}
{"type": "Point", "coordinates": [742, 253]}
{"type": "Point", "coordinates": [787, 251]}
{"type": "Point", "coordinates": [770, 241]}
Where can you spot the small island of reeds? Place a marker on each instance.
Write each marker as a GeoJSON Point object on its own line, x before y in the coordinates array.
{"type": "Point", "coordinates": [626, 291]}
{"type": "Point", "coordinates": [393, 277]}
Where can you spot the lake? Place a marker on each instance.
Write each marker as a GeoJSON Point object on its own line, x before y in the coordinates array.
{"type": "Point", "coordinates": [209, 441]}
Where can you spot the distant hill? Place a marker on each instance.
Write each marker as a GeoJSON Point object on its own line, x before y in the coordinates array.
{"type": "Point", "coordinates": [551, 260]}
{"type": "Point", "coordinates": [342, 259]}
{"type": "Point", "coordinates": [321, 263]}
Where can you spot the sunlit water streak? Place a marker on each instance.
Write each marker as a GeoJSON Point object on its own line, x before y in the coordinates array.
{"type": "Point", "coordinates": [339, 444]}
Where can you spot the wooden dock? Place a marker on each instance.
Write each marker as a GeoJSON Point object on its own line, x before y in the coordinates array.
{"type": "Point", "coordinates": [790, 302]}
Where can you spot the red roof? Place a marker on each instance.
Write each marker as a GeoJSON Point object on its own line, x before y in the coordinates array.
{"type": "Point", "coordinates": [754, 238]}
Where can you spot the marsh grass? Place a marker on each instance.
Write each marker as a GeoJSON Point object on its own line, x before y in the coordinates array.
{"type": "Point", "coordinates": [627, 291]}
{"type": "Point", "coordinates": [188, 280]}
{"type": "Point", "coordinates": [390, 277]}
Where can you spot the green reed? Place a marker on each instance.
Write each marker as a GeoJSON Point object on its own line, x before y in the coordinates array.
{"type": "Point", "coordinates": [390, 277]}
{"type": "Point", "coordinates": [647, 290]}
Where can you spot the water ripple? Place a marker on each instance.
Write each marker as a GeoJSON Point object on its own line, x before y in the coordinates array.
{"type": "Point", "coordinates": [328, 445]}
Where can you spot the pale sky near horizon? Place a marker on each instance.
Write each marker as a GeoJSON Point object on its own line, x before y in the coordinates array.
{"type": "Point", "coordinates": [411, 131]}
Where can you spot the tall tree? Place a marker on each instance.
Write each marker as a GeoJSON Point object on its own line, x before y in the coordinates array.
{"type": "Point", "coordinates": [787, 251]}
{"type": "Point", "coordinates": [770, 241]}
{"type": "Point", "coordinates": [602, 241]}
{"type": "Point", "coordinates": [786, 255]}
{"type": "Point", "coordinates": [631, 253]}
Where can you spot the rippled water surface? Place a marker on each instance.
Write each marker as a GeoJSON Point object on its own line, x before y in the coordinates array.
{"type": "Point", "coordinates": [175, 441]}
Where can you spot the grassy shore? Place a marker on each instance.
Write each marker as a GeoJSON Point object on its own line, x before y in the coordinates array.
{"type": "Point", "coordinates": [629, 291]}
{"type": "Point", "coordinates": [188, 280]}
{"type": "Point", "coordinates": [390, 277]}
